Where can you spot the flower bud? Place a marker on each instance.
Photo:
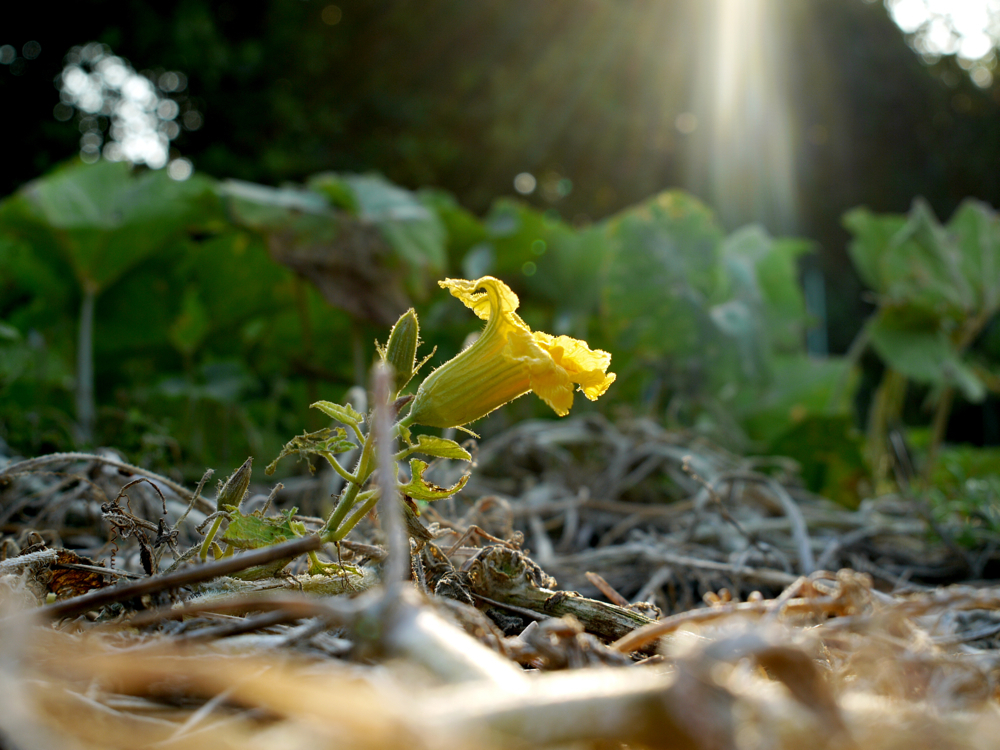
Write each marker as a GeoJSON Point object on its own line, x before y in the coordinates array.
{"type": "Point", "coordinates": [400, 352]}
{"type": "Point", "coordinates": [231, 494]}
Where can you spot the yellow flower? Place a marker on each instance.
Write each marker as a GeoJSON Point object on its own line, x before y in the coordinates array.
{"type": "Point", "coordinates": [507, 361]}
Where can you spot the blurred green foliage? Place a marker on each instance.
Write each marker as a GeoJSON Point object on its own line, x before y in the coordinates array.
{"type": "Point", "coordinates": [937, 289]}
{"type": "Point", "coordinates": [226, 307]}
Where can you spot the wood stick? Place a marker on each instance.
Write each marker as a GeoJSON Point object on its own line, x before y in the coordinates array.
{"type": "Point", "coordinates": [227, 566]}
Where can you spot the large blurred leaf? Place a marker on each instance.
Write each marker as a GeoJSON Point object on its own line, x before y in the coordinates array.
{"type": "Point", "coordinates": [922, 265]}
{"type": "Point", "coordinates": [413, 231]}
{"type": "Point", "coordinates": [948, 272]}
{"type": "Point", "coordinates": [267, 208]}
{"type": "Point", "coordinates": [191, 326]}
{"type": "Point", "coordinates": [463, 228]}
{"type": "Point", "coordinates": [977, 238]}
{"type": "Point", "coordinates": [14, 354]}
{"type": "Point", "coordinates": [663, 271]}
{"type": "Point", "coordinates": [104, 218]}
{"type": "Point", "coordinates": [800, 386]}
{"type": "Point", "coordinates": [763, 274]}
{"type": "Point", "coordinates": [519, 234]}
{"type": "Point", "coordinates": [938, 287]}
{"type": "Point", "coordinates": [35, 289]}
{"type": "Point", "coordinates": [872, 235]}
{"type": "Point", "coordinates": [367, 245]}
{"type": "Point", "coordinates": [922, 354]}
{"type": "Point", "coordinates": [551, 264]}
{"type": "Point", "coordinates": [237, 281]}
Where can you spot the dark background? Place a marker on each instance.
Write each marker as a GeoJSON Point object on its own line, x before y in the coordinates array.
{"type": "Point", "coordinates": [465, 95]}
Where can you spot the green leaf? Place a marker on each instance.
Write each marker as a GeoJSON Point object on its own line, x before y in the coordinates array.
{"type": "Point", "coordinates": [736, 319]}
{"type": "Point", "coordinates": [413, 231]}
{"type": "Point", "coordinates": [419, 489]}
{"type": "Point", "coordinates": [104, 218]}
{"type": "Point", "coordinates": [763, 273]}
{"type": "Point", "coordinates": [263, 207]}
{"type": "Point", "coordinates": [248, 531]}
{"type": "Point", "coordinates": [336, 190]}
{"type": "Point", "coordinates": [976, 229]}
{"type": "Point", "coordinates": [872, 235]}
{"type": "Point", "coordinates": [946, 272]}
{"type": "Point", "coordinates": [9, 333]}
{"type": "Point", "coordinates": [325, 442]}
{"type": "Point", "coordinates": [440, 447]}
{"type": "Point", "coordinates": [922, 265]}
{"type": "Point", "coordinates": [463, 228]}
{"type": "Point", "coordinates": [799, 387]}
{"type": "Point", "coordinates": [351, 259]}
{"type": "Point", "coordinates": [15, 354]}
{"type": "Point", "coordinates": [343, 414]}
{"type": "Point", "coordinates": [922, 354]}
{"type": "Point", "coordinates": [663, 270]}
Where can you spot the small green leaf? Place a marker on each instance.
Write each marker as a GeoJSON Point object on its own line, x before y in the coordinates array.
{"type": "Point", "coordinates": [419, 489]}
{"type": "Point", "coordinates": [440, 447]}
{"type": "Point", "coordinates": [247, 531]}
{"type": "Point", "coordinates": [325, 442]}
{"type": "Point", "coordinates": [343, 414]}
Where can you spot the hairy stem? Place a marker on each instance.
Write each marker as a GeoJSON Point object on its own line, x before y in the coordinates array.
{"type": "Point", "coordinates": [209, 538]}
{"type": "Point", "coordinates": [350, 494]}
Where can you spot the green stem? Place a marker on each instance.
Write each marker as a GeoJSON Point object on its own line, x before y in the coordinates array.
{"type": "Point", "coordinates": [886, 410]}
{"type": "Point", "coordinates": [349, 496]}
{"type": "Point", "coordinates": [852, 358]}
{"type": "Point", "coordinates": [209, 537]}
{"type": "Point", "coordinates": [355, 518]}
{"type": "Point", "coordinates": [339, 524]}
{"type": "Point", "coordinates": [942, 411]}
{"type": "Point", "coordinates": [938, 427]}
{"type": "Point", "coordinates": [339, 469]}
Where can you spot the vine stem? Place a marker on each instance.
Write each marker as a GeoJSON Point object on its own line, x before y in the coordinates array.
{"type": "Point", "coordinates": [354, 519]}
{"type": "Point", "coordinates": [85, 408]}
{"type": "Point", "coordinates": [209, 538]}
{"type": "Point", "coordinates": [335, 465]}
{"type": "Point", "coordinates": [350, 494]}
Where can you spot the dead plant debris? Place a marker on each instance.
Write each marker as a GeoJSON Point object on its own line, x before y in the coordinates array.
{"type": "Point", "coordinates": [593, 586]}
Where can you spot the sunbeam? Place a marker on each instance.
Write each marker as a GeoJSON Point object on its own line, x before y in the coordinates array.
{"type": "Point", "coordinates": [745, 165]}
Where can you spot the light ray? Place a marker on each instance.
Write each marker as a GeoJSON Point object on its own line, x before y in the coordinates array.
{"type": "Point", "coordinates": [749, 141]}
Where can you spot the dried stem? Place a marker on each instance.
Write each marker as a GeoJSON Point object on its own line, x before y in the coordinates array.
{"type": "Point", "coordinates": [228, 566]}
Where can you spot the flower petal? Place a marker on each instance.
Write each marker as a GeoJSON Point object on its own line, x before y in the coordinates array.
{"type": "Point", "coordinates": [482, 303]}
{"type": "Point", "coordinates": [583, 365]}
{"type": "Point", "coordinates": [549, 381]}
